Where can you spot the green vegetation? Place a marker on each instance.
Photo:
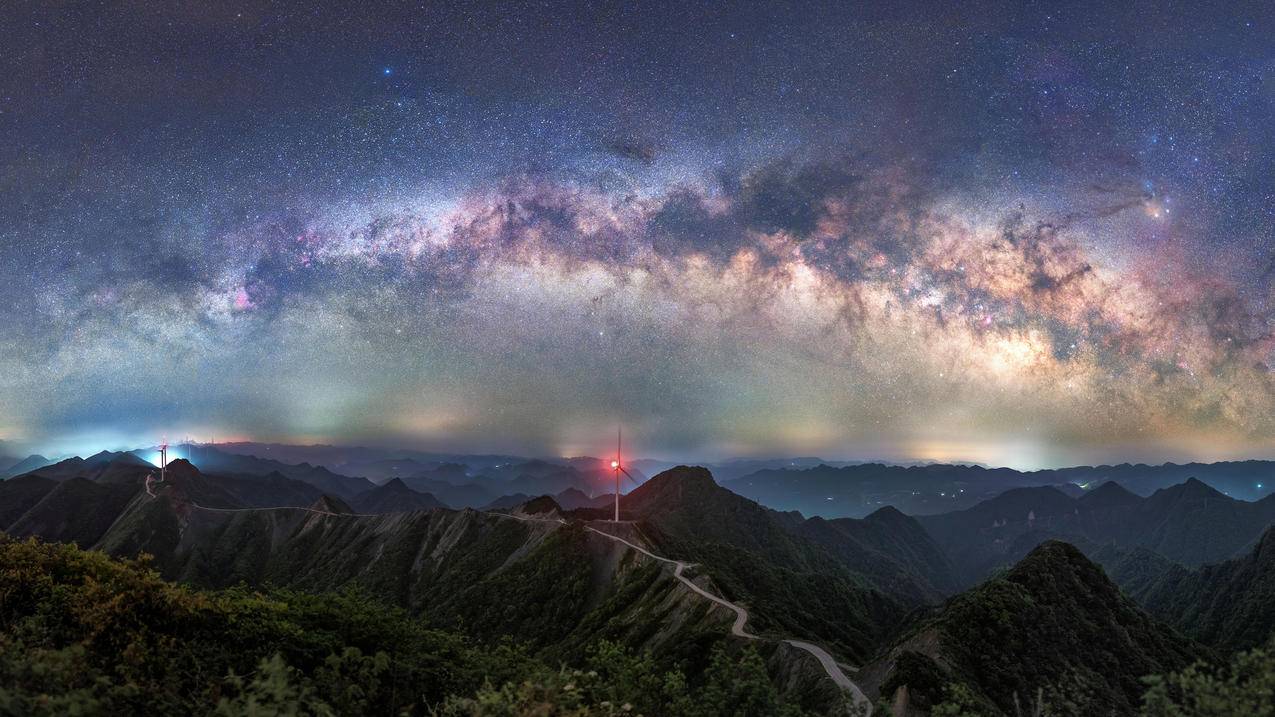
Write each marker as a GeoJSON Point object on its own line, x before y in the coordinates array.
{"type": "Point", "coordinates": [1053, 619]}
{"type": "Point", "coordinates": [925, 680]}
{"type": "Point", "coordinates": [81, 633]}
{"type": "Point", "coordinates": [618, 683]}
{"type": "Point", "coordinates": [1245, 687]}
{"type": "Point", "coordinates": [540, 599]}
{"type": "Point", "coordinates": [791, 584]}
{"type": "Point", "coordinates": [113, 636]}
{"type": "Point", "coordinates": [1051, 636]}
{"type": "Point", "coordinates": [1227, 605]}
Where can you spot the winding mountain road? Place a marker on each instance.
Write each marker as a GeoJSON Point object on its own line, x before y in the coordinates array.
{"type": "Point", "coordinates": [738, 629]}
{"type": "Point", "coordinates": [826, 660]}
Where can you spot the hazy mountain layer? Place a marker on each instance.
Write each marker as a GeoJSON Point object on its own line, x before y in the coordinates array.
{"type": "Point", "coordinates": [856, 490]}
{"type": "Point", "coordinates": [1189, 523]}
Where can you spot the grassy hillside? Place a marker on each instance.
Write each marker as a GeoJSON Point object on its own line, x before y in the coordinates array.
{"type": "Point", "coordinates": [115, 636]}
{"type": "Point", "coordinates": [84, 634]}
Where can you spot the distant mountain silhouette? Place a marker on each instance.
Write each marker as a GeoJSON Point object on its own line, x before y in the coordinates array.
{"type": "Point", "coordinates": [214, 461]}
{"type": "Point", "coordinates": [394, 497]}
{"type": "Point", "coordinates": [506, 502]}
{"type": "Point", "coordinates": [382, 469]}
{"type": "Point", "coordinates": [543, 478]}
{"type": "Point", "coordinates": [456, 496]}
{"type": "Point", "coordinates": [76, 467]}
{"type": "Point", "coordinates": [573, 498]}
{"type": "Point", "coordinates": [1190, 523]}
{"type": "Point", "coordinates": [856, 490]}
{"type": "Point", "coordinates": [1109, 495]}
{"type": "Point", "coordinates": [26, 465]}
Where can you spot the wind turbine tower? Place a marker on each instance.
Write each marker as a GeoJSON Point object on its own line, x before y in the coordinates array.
{"type": "Point", "coordinates": [615, 466]}
{"type": "Point", "coordinates": [163, 461]}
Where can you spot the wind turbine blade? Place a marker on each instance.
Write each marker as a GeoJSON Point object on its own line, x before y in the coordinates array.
{"type": "Point", "coordinates": [630, 477]}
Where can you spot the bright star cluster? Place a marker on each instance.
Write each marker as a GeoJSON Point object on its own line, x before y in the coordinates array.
{"type": "Point", "coordinates": [1025, 236]}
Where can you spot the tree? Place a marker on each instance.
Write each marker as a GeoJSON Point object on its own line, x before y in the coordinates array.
{"type": "Point", "coordinates": [1245, 687]}
{"type": "Point", "coordinates": [273, 692]}
{"type": "Point", "coordinates": [740, 687]}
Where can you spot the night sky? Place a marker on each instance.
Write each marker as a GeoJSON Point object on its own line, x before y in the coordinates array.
{"type": "Point", "coordinates": [1026, 235]}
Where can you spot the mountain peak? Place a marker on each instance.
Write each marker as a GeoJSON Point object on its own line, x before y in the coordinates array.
{"type": "Point", "coordinates": [331, 504]}
{"type": "Point", "coordinates": [181, 468]}
{"type": "Point", "coordinates": [674, 488]}
{"type": "Point", "coordinates": [395, 484]}
{"type": "Point", "coordinates": [394, 496]}
{"type": "Point", "coordinates": [100, 457]}
{"type": "Point", "coordinates": [130, 459]}
{"type": "Point", "coordinates": [1192, 488]}
{"type": "Point", "coordinates": [1056, 612]}
{"type": "Point", "coordinates": [886, 514]}
{"type": "Point", "coordinates": [1057, 563]}
{"type": "Point", "coordinates": [1058, 550]}
{"type": "Point", "coordinates": [1109, 494]}
{"type": "Point", "coordinates": [685, 477]}
{"type": "Point", "coordinates": [26, 465]}
{"type": "Point", "coordinates": [544, 505]}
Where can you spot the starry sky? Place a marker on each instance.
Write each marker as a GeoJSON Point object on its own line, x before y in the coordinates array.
{"type": "Point", "coordinates": [1022, 234]}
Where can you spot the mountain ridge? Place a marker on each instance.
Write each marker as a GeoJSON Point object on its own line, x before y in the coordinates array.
{"type": "Point", "coordinates": [1054, 622]}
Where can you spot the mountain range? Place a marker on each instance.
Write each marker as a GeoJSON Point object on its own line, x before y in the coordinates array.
{"type": "Point", "coordinates": [1190, 523]}
{"type": "Point", "coordinates": [10, 467]}
{"type": "Point", "coordinates": [1034, 594]}
{"type": "Point", "coordinates": [856, 490]}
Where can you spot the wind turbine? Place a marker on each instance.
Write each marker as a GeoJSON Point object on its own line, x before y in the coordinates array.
{"type": "Point", "coordinates": [163, 460]}
{"type": "Point", "coordinates": [615, 466]}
